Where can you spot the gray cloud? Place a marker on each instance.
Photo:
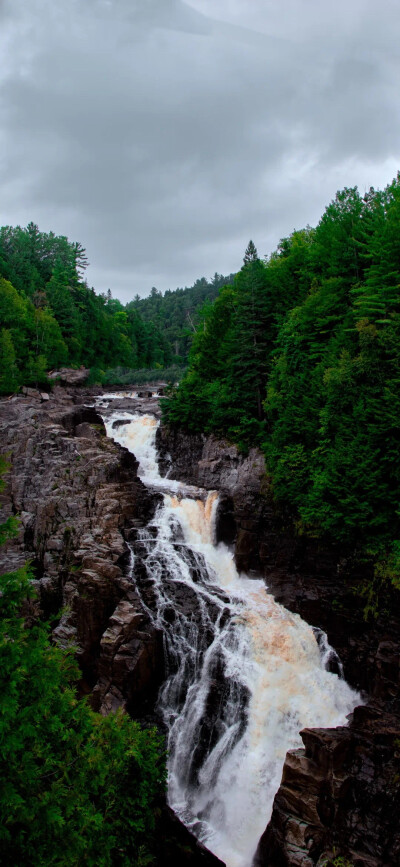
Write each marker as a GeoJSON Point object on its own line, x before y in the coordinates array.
{"type": "Point", "coordinates": [164, 134]}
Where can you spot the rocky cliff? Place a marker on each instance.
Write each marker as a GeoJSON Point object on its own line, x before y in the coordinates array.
{"type": "Point", "coordinates": [76, 494]}
{"type": "Point", "coordinates": [79, 498]}
{"type": "Point", "coordinates": [340, 795]}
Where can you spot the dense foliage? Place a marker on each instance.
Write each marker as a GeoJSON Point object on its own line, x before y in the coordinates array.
{"type": "Point", "coordinates": [135, 377]}
{"type": "Point", "coordinates": [49, 316]}
{"type": "Point", "coordinates": [76, 787]}
{"type": "Point", "coordinates": [176, 313]}
{"type": "Point", "coordinates": [302, 356]}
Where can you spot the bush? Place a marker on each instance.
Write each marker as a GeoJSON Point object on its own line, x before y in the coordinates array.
{"type": "Point", "coordinates": [77, 788]}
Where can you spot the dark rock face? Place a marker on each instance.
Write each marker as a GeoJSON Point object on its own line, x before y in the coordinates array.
{"type": "Point", "coordinates": [176, 845]}
{"type": "Point", "coordinates": [341, 794]}
{"type": "Point", "coordinates": [182, 607]}
{"type": "Point", "coordinates": [147, 404]}
{"type": "Point", "coordinates": [215, 464]}
{"type": "Point", "coordinates": [77, 493]}
{"type": "Point", "coordinates": [79, 499]}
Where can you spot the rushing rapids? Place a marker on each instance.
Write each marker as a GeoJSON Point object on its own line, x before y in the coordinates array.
{"type": "Point", "coordinates": [244, 674]}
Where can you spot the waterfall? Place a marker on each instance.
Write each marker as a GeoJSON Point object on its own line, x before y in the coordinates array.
{"type": "Point", "coordinates": [244, 674]}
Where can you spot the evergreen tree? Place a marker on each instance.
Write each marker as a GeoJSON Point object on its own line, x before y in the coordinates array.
{"type": "Point", "coordinates": [250, 337]}
{"type": "Point", "coordinates": [54, 318]}
{"type": "Point", "coordinates": [60, 296]}
{"type": "Point", "coordinates": [250, 255]}
{"type": "Point", "coordinates": [177, 315]}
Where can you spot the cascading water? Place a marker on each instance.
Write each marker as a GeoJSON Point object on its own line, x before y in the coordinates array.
{"type": "Point", "coordinates": [245, 675]}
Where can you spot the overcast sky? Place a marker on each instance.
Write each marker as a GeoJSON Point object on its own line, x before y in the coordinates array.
{"type": "Point", "coordinates": [164, 134]}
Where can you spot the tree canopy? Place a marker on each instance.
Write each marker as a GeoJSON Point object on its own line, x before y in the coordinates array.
{"type": "Point", "coordinates": [50, 317]}
{"type": "Point", "coordinates": [302, 357]}
{"type": "Point", "coordinates": [177, 312]}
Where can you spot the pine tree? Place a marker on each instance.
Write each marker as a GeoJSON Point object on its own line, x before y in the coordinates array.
{"type": "Point", "coordinates": [250, 255]}
{"type": "Point", "coordinates": [250, 337]}
{"type": "Point", "coordinates": [59, 293]}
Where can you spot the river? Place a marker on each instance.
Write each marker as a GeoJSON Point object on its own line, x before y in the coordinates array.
{"type": "Point", "coordinates": [244, 674]}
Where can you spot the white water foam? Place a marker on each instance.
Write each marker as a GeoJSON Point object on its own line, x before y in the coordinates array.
{"type": "Point", "coordinates": [246, 674]}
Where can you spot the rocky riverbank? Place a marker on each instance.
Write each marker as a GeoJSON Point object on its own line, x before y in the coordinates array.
{"type": "Point", "coordinates": [340, 795]}
{"type": "Point", "coordinates": [79, 498]}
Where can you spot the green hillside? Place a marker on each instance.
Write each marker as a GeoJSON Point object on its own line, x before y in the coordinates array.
{"type": "Point", "coordinates": [302, 357]}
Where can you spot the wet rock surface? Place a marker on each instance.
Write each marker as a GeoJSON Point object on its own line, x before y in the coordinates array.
{"type": "Point", "coordinates": [241, 481]}
{"type": "Point", "coordinates": [340, 795]}
{"type": "Point", "coordinates": [76, 494]}
{"type": "Point", "coordinates": [194, 617]}
{"type": "Point", "coordinates": [79, 500]}
{"type": "Point", "coordinates": [176, 845]}
{"type": "Point", "coordinates": [140, 399]}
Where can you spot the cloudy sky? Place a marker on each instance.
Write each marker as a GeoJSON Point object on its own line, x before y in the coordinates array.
{"type": "Point", "coordinates": [163, 134]}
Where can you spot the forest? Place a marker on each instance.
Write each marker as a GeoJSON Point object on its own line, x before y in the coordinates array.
{"type": "Point", "coordinates": [301, 356]}
{"type": "Point", "coordinates": [176, 313]}
{"type": "Point", "coordinates": [49, 317]}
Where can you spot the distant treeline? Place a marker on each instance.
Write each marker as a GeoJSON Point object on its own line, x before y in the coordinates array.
{"type": "Point", "coordinates": [302, 357]}
{"type": "Point", "coordinates": [176, 313]}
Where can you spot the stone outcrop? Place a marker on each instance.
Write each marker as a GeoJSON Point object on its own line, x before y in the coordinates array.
{"type": "Point", "coordinates": [148, 403]}
{"type": "Point", "coordinates": [340, 795]}
{"type": "Point", "coordinates": [178, 848]}
{"type": "Point", "coordinates": [77, 494]}
{"type": "Point", "coordinates": [216, 464]}
{"type": "Point", "coordinates": [79, 499]}
{"type": "Point", "coordinates": [70, 376]}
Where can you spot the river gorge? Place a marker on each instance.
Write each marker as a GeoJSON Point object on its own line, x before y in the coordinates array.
{"type": "Point", "coordinates": [185, 607]}
{"type": "Point", "coordinates": [244, 675]}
